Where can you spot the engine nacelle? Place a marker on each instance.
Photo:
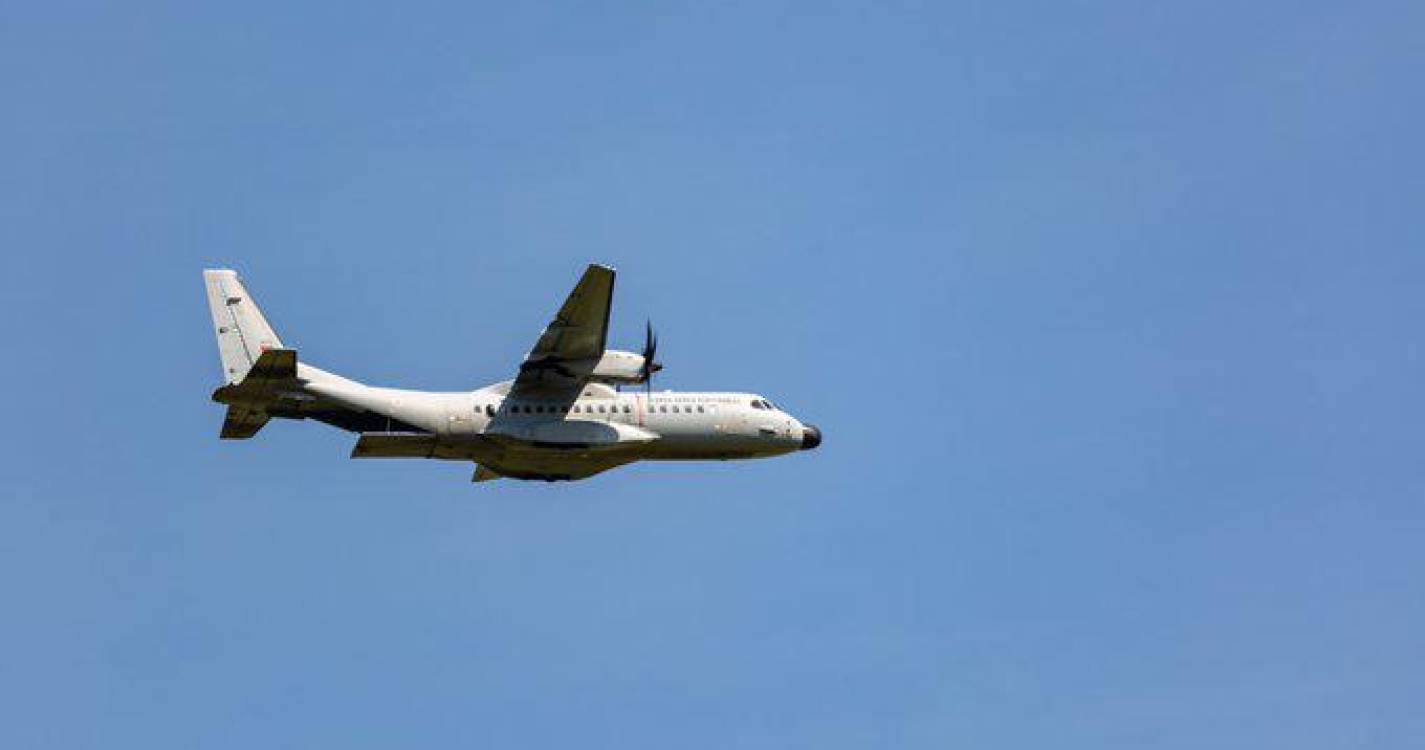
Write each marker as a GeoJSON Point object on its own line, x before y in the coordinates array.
{"type": "Point", "coordinates": [619, 368]}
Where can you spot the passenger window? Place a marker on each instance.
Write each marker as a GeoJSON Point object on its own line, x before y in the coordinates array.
{"type": "Point", "coordinates": [489, 410]}
{"type": "Point", "coordinates": [700, 409]}
{"type": "Point", "coordinates": [756, 405]}
{"type": "Point", "coordinates": [625, 409]}
{"type": "Point", "coordinates": [601, 408]}
{"type": "Point", "coordinates": [663, 409]}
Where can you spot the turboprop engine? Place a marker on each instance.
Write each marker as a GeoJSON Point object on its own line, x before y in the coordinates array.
{"type": "Point", "coordinates": [619, 367]}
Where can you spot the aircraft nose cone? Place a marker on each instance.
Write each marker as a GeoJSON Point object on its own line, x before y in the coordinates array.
{"type": "Point", "coordinates": [811, 437]}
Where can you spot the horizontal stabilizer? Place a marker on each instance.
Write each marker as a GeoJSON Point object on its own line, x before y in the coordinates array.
{"type": "Point", "coordinates": [484, 474]}
{"type": "Point", "coordinates": [242, 423]}
{"type": "Point", "coordinates": [249, 400]}
{"type": "Point", "coordinates": [274, 364]}
{"type": "Point", "coordinates": [273, 369]}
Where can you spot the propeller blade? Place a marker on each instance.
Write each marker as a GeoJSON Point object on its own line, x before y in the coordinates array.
{"type": "Point", "coordinates": [650, 351]}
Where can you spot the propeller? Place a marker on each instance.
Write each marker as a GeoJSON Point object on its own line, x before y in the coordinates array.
{"type": "Point", "coordinates": [650, 351]}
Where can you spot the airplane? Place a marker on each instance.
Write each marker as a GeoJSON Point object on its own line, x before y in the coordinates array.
{"type": "Point", "coordinates": [563, 417]}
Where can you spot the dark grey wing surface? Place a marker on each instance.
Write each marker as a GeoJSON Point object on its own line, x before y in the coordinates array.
{"type": "Point", "coordinates": [570, 347]}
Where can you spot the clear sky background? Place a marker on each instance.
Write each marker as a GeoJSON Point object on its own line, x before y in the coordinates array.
{"type": "Point", "coordinates": [1110, 313]}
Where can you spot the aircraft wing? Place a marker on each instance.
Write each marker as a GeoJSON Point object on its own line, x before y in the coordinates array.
{"type": "Point", "coordinates": [420, 445]}
{"type": "Point", "coordinates": [560, 363]}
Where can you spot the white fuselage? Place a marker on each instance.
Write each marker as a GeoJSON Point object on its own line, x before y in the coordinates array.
{"type": "Point", "coordinates": [678, 424]}
{"type": "Point", "coordinates": [562, 439]}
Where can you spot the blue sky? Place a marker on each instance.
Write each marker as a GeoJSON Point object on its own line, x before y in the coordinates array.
{"type": "Point", "coordinates": [1110, 313]}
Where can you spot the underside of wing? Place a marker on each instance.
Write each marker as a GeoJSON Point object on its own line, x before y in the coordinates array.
{"type": "Point", "coordinates": [571, 345]}
{"type": "Point", "coordinates": [552, 469]}
{"type": "Point", "coordinates": [420, 445]}
{"type": "Point", "coordinates": [394, 445]}
{"type": "Point", "coordinates": [498, 456]}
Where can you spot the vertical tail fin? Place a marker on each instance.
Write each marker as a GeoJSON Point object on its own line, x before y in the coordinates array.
{"type": "Point", "coordinates": [243, 332]}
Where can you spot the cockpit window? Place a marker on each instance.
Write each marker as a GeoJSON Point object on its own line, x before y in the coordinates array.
{"type": "Point", "coordinates": [756, 404]}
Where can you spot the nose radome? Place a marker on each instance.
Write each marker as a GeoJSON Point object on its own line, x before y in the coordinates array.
{"type": "Point", "coordinates": [811, 437]}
